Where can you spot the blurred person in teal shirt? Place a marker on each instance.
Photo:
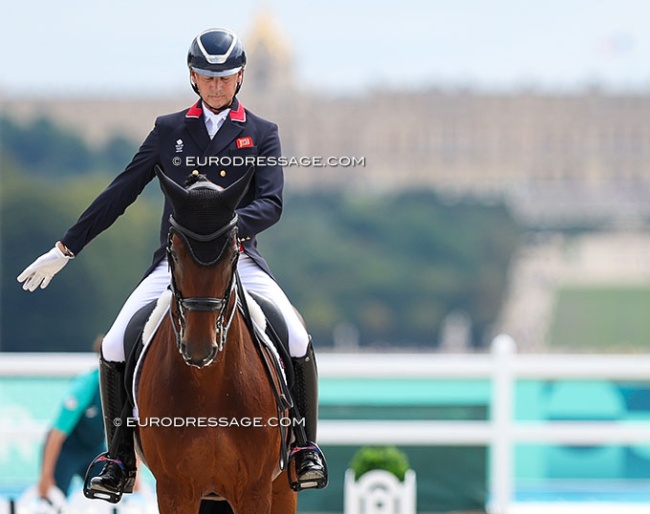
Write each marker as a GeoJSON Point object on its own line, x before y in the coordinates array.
{"type": "Point", "coordinates": [77, 434]}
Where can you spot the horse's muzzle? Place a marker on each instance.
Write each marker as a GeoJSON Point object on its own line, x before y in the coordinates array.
{"type": "Point", "coordinates": [198, 362]}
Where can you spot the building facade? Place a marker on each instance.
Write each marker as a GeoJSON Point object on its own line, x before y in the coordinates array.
{"type": "Point", "coordinates": [558, 159]}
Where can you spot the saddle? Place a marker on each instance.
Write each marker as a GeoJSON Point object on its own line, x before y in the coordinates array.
{"type": "Point", "coordinates": [134, 345]}
{"type": "Point", "coordinates": [277, 331]}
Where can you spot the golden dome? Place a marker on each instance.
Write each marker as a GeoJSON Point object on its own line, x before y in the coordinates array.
{"type": "Point", "coordinates": [265, 32]}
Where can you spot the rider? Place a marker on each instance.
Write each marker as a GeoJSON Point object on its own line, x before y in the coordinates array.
{"type": "Point", "coordinates": [217, 126]}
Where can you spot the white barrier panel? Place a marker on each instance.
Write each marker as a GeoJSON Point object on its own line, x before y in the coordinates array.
{"type": "Point", "coordinates": [380, 492]}
{"type": "Point", "coordinates": [141, 502]}
{"type": "Point", "coordinates": [503, 366]}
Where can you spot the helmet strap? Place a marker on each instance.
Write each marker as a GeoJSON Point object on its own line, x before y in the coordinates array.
{"type": "Point", "coordinates": [238, 86]}
{"type": "Point", "coordinates": [220, 109]}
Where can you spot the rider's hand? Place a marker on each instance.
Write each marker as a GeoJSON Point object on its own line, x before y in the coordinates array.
{"type": "Point", "coordinates": [44, 485]}
{"type": "Point", "coordinates": [41, 271]}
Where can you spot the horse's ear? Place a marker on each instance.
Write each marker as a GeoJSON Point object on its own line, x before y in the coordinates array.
{"type": "Point", "coordinates": [233, 194]}
{"type": "Point", "coordinates": [172, 190]}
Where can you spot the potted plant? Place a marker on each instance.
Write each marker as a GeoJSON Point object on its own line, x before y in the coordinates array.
{"type": "Point", "coordinates": [388, 458]}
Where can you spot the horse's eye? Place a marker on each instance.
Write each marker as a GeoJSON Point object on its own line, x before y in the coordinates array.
{"type": "Point", "coordinates": [173, 255]}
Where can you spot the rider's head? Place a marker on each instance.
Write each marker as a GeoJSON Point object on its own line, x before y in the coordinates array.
{"type": "Point", "coordinates": [216, 60]}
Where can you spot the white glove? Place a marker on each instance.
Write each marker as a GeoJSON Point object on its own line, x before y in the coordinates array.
{"type": "Point", "coordinates": [41, 271]}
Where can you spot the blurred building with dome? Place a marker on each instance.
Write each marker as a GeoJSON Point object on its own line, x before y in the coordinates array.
{"type": "Point", "coordinates": [557, 159]}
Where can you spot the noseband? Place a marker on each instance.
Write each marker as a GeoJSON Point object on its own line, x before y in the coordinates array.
{"type": "Point", "coordinates": [201, 304]}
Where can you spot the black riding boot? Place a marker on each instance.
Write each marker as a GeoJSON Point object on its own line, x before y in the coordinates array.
{"type": "Point", "coordinates": [118, 475]}
{"type": "Point", "coordinates": [310, 466]}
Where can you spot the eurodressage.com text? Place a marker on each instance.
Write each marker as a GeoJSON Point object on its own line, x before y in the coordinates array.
{"type": "Point", "coordinates": [270, 160]}
{"type": "Point", "coordinates": [209, 422]}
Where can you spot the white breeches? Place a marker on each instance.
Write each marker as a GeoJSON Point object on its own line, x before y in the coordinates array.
{"type": "Point", "coordinates": [153, 285]}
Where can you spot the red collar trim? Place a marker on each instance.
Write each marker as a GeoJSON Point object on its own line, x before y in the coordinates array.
{"type": "Point", "coordinates": [194, 112]}
{"type": "Point", "coordinates": [239, 114]}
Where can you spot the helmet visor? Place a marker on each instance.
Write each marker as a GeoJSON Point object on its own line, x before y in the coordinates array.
{"type": "Point", "coordinates": [213, 73]}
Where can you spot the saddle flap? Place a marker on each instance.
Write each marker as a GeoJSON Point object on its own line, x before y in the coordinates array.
{"type": "Point", "coordinates": [140, 329]}
{"type": "Point", "coordinates": [277, 331]}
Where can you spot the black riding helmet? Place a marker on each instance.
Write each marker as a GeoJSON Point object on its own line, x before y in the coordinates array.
{"type": "Point", "coordinates": [216, 53]}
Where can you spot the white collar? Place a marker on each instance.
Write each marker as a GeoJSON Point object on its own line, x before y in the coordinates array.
{"type": "Point", "coordinates": [214, 121]}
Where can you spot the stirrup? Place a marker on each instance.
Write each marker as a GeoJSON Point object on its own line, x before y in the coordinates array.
{"type": "Point", "coordinates": [292, 472]}
{"type": "Point", "coordinates": [101, 494]}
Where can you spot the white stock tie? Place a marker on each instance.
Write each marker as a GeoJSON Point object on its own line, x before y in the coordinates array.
{"type": "Point", "coordinates": [211, 126]}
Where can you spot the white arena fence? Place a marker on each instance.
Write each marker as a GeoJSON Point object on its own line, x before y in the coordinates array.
{"type": "Point", "coordinates": [503, 366]}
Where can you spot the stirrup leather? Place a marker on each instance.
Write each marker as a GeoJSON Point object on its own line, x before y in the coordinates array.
{"type": "Point", "coordinates": [91, 492]}
{"type": "Point", "coordinates": [298, 484]}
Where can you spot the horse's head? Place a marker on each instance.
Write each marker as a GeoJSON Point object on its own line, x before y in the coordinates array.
{"type": "Point", "coordinates": [202, 251]}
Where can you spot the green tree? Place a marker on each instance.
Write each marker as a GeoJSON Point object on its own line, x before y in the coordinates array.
{"type": "Point", "coordinates": [393, 266]}
{"type": "Point", "coordinates": [42, 147]}
{"type": "Point", "coordinates": [84, 298]}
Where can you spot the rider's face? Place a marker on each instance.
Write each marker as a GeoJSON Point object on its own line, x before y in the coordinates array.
{"type": "Point", "coordinates": [217, 92]}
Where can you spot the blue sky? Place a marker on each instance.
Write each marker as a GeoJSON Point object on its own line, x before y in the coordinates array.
{"type": "Point", "coordinates": [131, 47]}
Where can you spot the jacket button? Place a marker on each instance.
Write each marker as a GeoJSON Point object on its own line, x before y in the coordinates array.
{"type": "Point", "coordinates": [223, 173]}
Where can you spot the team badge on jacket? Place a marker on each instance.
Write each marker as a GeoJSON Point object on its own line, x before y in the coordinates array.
{"type": "Point", "coordinates": [244, 142]}
{"type": "Point", "coordinates": [179, 146]}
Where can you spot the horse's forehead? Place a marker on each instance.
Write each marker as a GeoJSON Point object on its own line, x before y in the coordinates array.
{"type": "Point", "coordinates": [201, 200]}
{"type": "Point", "coordinates": [204, 195]}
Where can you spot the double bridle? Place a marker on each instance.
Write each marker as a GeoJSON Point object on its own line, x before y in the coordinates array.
{"type": "Point", "coordinates": [202, 304]}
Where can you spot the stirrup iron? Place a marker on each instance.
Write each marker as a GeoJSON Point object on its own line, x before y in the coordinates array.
{"type": "Point", "coordinates": [100, 494]}
{"type": "Point", "coordinates": [292, 472]}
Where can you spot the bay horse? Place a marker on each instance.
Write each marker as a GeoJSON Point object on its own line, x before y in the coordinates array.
{"type": "Point", "coordinates": [202, 365]}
